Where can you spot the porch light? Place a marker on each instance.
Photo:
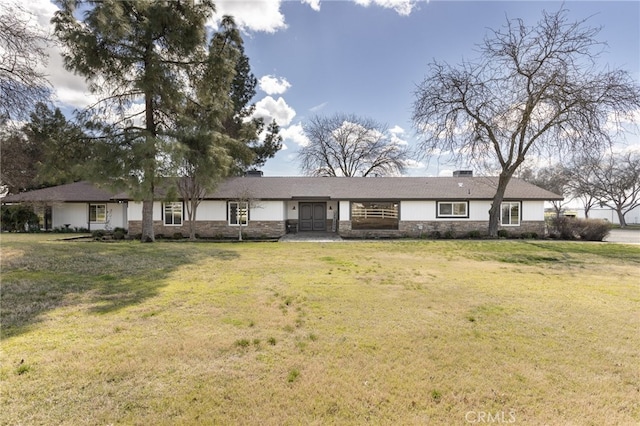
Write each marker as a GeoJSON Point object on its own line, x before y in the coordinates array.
{"type": "Point", "coordinates": [293, 208]}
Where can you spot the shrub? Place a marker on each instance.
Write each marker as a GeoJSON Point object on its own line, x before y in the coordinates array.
{"type": "Point", "coordinates": [568, 228]}
{"type": "Point", "coordinates": [18, 218]}
{"type": "Point", "coordinates": [177, 236]}
{"type": "Point", "coordinates": [503, 233]}
{"type": "Point", "coordinates": [594, 229]}
{"type": "Point", "coordinates": [529, 235]}
{"type": "Point", "coordinates": [449, 235]}
{"type": "Point", "coordinates": [118, 235]}
{"type": "Point", "coordinates": [98, 234]}
{"type": "Point", "coordinates": [474, 234]}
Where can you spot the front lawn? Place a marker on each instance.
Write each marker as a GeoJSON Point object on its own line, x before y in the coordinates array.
{"type": "Point", "coordinates": [392, 332]}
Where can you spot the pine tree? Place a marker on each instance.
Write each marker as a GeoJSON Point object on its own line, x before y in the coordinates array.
{"type": "Point", "coordinates": [136, 56]}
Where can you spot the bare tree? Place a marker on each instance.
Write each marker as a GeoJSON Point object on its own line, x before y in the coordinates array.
{"type": "Point", "coordinates": [533, 90]}
{"type": "Point", "coordinates": [23, 82]}
{"type": "Point", "coordinates": [348, 145]}
{"type": "Point", "coordinates": [554, 178]}
{"type": "Point", "coordinates": [581, 180]}
{"type": "Point", "coordinates": [614, 180]}
{"type": "Point", "coordinates": [240, 207]}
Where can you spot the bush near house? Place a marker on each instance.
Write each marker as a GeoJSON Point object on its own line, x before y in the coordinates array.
{"type": "Point", "coordinates": [569, 228]}
{"type": "Point", "coordinates": [18, 218]}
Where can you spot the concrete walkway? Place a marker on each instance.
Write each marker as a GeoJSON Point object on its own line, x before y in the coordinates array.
{"type": "Point", "coordinates": [316, 237]}
{"type": "Point", "coordinates": [627, 236]}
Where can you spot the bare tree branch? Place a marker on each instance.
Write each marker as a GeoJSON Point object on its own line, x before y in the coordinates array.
{"type": "Point", "coordinates": [533, 89]}
{"type": "Point", "coordinates": [348, 145]}
{"type": "Point", "coordinates": [23, 82]}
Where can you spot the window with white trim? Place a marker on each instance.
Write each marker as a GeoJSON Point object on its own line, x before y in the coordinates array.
{"type": "Point", "coordinates": [453, 209]}
{"type": "Point", "coordinates": [97, 213]}
{"type": "Point", "coordinates": [238, 213]}
{"type": "Point", "coordinates": [510, 213]}
{"type": "Point", "coordinates": [173, 213]}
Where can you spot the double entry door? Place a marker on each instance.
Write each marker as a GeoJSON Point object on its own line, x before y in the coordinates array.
{"type": "Point", "coordinates": [313, 217]}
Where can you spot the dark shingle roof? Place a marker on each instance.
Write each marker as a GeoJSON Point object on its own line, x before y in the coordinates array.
{"type": "Point", "coordinates": [391, 188]}
{"type": "Point", "coordinates": [335, 188]}
{"type": "Point", "coordinates": [72, 192]}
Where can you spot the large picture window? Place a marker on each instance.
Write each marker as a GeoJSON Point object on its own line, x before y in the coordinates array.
{"type": "Point", "coordinates": [97, 213]}
{"type": "Point", "coordinates": [173, 213]}
{"type": "Point", "coordinates": [510, 213]}
{"type": "Point", "coordinates": [453, 209]}
{"type": "Point", "coordinates": [374, 215]}
{"type": "Point", "coordinates": [238, 213]}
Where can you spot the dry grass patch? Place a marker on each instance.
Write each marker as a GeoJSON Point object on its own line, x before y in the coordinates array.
{"type": "Point", "coordinates": [388, 333]}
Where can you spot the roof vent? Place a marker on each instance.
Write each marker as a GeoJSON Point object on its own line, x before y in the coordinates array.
{"type": "Point", "coordinates": [253, 173]}
{"type": "Point", "coordinates": [463, 173]}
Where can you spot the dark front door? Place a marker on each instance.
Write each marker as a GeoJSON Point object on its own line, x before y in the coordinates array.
{"type": "Point", "coordinates": [313, 216]}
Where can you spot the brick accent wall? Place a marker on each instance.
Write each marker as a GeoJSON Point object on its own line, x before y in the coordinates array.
{"type": "Point", "coordinates": [418, 229]}
{"type": "Point", "coordinates": [276, 229]}
{"type": "Point", "coordinates": [215, 229]}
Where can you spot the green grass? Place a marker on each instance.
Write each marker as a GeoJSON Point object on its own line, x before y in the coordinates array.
{"type": "Point", "coordinates": [393, 332]}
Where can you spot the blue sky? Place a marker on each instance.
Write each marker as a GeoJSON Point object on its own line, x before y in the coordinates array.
{"type": "Point", "coordinates": [365, 57]}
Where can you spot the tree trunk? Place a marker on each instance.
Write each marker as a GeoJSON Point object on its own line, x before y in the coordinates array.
{"type": "Point", "coordinates": [623, 222]}
{"type": "Point", "coordinates": [147, 220]}
{"type": "Point", "coordinates": [192, 219]}
{"type": "Point", "coordinates": [496, 205]}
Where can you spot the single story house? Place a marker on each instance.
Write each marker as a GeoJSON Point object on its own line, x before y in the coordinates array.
{"type": "Point", "coordinates": [367, 207]}
{"type": "Point", "coordinates": [78, 205]}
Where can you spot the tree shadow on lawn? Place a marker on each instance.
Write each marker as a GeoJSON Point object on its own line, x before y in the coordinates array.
{"type": "Point", "coordinates": [108, 276]}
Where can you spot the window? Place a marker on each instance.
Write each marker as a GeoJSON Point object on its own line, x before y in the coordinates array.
{"type": "Point", "coordinates": [374, 215]}
{"type": "Point", "coordinates": [97, 213]}
{"type": "Point", "coordinates": [453, 209]}
{"type": "Point", "coordinates": [238, 213]}
{"type": "Point", "coordinates": [173, 213]}
{"type": "Point", "coordinates": [510, 213]}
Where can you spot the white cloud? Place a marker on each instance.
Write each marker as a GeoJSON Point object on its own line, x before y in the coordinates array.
{"type": "Point", "coordinates": [395, 140]}
{"type": "Point", "coordinates": [271, 109]}
{"type": "Point", "coordinates": [273, 85]}
{"type": "Point", "coordinates": [414, 164]}
{"type": "Point", "coordinates": [260, 15]}
{"type": "Point", "coordinates": [318, 107]}
{"type": "Point", "coordinates": [315, 4]}
{"type": "Point", "coordinates": [295, 134]}
{"type": "Point", "coordinates": [68, 88]}
{"type": "Point", "coordinates": [402, 7]}
{"type": "Point", "coordinates": [396, 130]}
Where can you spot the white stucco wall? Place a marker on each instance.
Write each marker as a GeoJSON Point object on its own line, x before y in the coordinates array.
{"type": "Point", "coordinates": [292, 210]}
{"type": "Point", "coordinates": [134, 211]}
{"type": "Point", "coordinates": [345, 212]}
{"type": "Point", "coordinates": [267, 210]}
{"type": "Point", "coordinates": [532, 210]}
{"type": "Point", "coordinates": [417, 210]}
{"type": "Point", "coordinates": [211, 210]}
{"type": "Point", "coordinates": [478, 211]}
{"type": "Point", "coordinates": [424, 210]}
{"type": "Point", "coordinates": [76, 215]}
